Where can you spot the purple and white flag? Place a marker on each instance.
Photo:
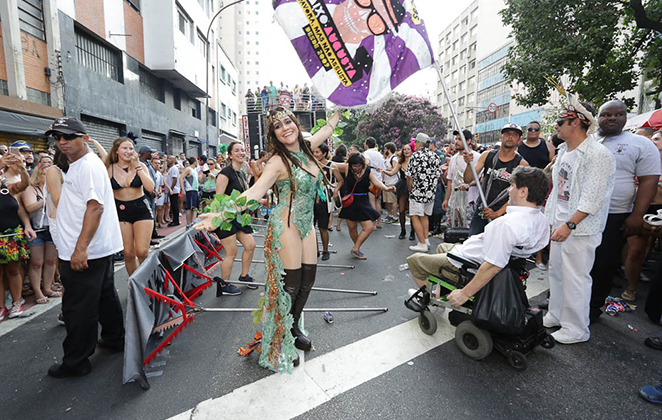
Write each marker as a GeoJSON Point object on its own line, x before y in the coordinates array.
{"type": "Point", "coordinates": [356, 51]}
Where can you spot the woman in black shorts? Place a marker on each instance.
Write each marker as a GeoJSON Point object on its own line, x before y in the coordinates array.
{"type": "Point", "coordinates": [321, 209]}
{"type": "Point", "coordinates": [130, 180]}
{"type": "Point", "coordinates": [232, 178]}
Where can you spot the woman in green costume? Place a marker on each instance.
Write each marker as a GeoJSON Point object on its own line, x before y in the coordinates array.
{"type": "Point", "coordinates": [290, 246]}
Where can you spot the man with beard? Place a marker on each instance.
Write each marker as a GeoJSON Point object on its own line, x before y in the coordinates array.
{"type": "Point", "coordinates": [460, 195]}
{"type": "Point", "coordinates": [498, 165]}
{"type": "Point", "coordinates": [637, 158]}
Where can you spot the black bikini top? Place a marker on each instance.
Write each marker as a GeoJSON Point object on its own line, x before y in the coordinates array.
{"type": "Point", "coordinates": [136, 182]}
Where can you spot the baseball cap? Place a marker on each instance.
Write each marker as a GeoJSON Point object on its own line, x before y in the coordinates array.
{"type": "Point", "coordinates": [422, 137]}
{"type": "Point", "coordinates": [467, 134]}
{"type": "Point", "coordinates": [144, 149]}
{"type": "Point", "coordinates": [513, 127]}
{"type": "Point", "coordinates": [21, 145]}
{"type": "Point", "coordinates": [66, 125]}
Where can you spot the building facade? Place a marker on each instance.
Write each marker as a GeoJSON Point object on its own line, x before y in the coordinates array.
{"type": "Point", "coordinates": [121, 66]}
{"type": "Point", "coordinates": [477, 31]}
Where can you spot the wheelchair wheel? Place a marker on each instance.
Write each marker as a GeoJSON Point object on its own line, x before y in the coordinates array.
{"type": "Point", "coordinates": [517, 361]}
{"type": "Point", "coordinates": [548, 342]}
{"type": "Point", "coordinates": [473, 341]}
{"type": "Point", "coordinates": [427, 322]}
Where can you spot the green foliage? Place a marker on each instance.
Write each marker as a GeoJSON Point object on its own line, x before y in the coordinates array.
{"type": "Point", "coordinates": [257, 314]}
{"type": "Point", "coordinates": [400, 118]}
{"type": "Point", "coordinates": [230, 207]}
{"type": "Point", "coordinates": [596, 44]}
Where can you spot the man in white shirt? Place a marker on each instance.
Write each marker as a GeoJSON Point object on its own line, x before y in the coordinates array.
{"type": "Point", "coordinates": [88, 235]}
{"type": "Point", "coordinates": [522, 231]}
{"type": "Point", "coordinates": [374, 160]}
{"type": "Point", "coordinates": [172, 179]}
{"type": "Point", "coordinates": [461, 198]}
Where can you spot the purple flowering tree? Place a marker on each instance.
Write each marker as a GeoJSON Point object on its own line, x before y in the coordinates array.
{"type": "Point", "coordinates": [399, 119]}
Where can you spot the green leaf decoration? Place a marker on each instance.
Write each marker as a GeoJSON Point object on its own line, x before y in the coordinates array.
{"type": "Point", "coordinates": [241, 201]}
{"type": "Point", "coordinates": [257, 315]}
{"type": "Point", "coordinates": [246, 219]}
{"type": "Point", "coordinates": [239, 218]}
{"type": "Point", "coordinates": [252, 205]}
{"type": "Point", "coordinates": [225, 225]}
{"type": "Point", "coordinates": [261, 302]}
{"type": "Point", "coordinates": [216, 221]}
{"type": "Point", "coordinates": [341, 124]}
{"type": "Point", "coordinates": [228, 215]}
{"type": "Point", "coordinates": [234, 195]}
{"type": "Point", "coordinates": [218, 197]}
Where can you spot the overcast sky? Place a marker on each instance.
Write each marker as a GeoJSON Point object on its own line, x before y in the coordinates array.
{"type": "Point", "coordinates": [281, 63]}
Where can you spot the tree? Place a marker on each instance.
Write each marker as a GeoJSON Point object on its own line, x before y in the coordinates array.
{"type": "Point", "coordinates": [600, 46]}
{"type": "Point", "coordinates": [400, 118]}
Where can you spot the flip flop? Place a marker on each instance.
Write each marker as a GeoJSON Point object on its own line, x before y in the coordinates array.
{"type": "Point", "coordinates": [43, 301]}
{"type": "Point", "coordinates": [56, 294]}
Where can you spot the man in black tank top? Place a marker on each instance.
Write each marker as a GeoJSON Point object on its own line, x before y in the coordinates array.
{"type": "Point", "coordinates": [497, 165]}
{"type": "Point", "coordinates": [534, 149]}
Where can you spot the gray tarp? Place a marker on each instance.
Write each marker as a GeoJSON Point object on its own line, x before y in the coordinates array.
{"type": "Point", "coordinates": [143, 312]}
{"type": "Point", "coordinates": [23, 124]}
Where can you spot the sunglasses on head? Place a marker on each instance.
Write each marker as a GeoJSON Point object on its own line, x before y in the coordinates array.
{"type": "Point", "coordinates": [530, 129]}
{"type": "Point", "coordinates": [68, 137]}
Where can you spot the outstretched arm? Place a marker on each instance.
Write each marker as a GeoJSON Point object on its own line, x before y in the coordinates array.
{"type": "Point", "coordinates": [380, 184]}
{"type": "Point", "coordinates": [325, 132]}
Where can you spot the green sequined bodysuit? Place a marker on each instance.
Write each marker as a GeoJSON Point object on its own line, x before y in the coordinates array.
{"type": "Point", "coordinates": [278, 351]}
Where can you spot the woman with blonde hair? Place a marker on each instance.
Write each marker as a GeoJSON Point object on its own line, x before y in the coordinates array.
{"type": "Point", "coordinates": [130, 181]}
{"type": "Point", "coordinates": [43, 256]}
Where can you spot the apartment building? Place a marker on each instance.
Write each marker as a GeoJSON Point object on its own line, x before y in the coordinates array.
{"type": "Point", "coordinates": [475, 33]}
{"type": "Point", "coordinates": [121, 66]}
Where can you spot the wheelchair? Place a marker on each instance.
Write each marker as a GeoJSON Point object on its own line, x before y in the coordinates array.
{"type": "Point", "coordinates": [475, 342]}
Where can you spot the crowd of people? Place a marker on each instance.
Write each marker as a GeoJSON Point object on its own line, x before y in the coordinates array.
{"type": "Point", "coordinates": [300, 98]}
{"type": "Point", "coordinates": [592, 182]}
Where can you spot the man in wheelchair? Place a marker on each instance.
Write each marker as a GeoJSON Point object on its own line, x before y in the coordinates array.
{"type": "Point", "coordinates": [522, 231]}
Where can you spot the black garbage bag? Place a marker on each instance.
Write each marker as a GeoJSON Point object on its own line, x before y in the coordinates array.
{"type": "Point", "coordinates": [501, 305]}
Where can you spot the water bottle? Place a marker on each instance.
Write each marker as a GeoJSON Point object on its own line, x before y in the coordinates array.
{"type": "Point", "coordinates": [403, 267]}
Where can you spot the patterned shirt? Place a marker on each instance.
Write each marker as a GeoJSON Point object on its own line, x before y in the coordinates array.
{"type": "Point", "coordinates": [424, 168]}
{"type": "Point", "coordinates": [592, 185]}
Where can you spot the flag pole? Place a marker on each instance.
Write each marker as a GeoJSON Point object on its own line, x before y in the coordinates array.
{"type": "Point", "coordinates": [459, 129]}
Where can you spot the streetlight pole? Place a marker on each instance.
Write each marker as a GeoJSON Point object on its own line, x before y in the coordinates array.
{"type": "Point", "coordinates": [209, 51]}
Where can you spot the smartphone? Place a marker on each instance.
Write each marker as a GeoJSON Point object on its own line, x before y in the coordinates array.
{"type": "Point", "coordinates": [15, 151]}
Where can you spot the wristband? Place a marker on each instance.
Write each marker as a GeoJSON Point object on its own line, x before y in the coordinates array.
{"type": "Point", "coordinates": [139, 168]}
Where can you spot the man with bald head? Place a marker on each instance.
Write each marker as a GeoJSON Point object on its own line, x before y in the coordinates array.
{"type": "Point", "coordinates": [637, 158]}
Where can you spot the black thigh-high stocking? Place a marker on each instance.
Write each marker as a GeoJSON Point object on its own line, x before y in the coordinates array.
{"type": "Point", "coordinates": [291, 285]}
{"type": "Point", "coordinates": [308, 272]}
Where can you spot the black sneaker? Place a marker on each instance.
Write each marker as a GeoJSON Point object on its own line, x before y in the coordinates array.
{"type": "Point", "coordinates": [247, 278]}
{"type": "Point", "coordinates": [60, 371]}
{"type": "Point", "coordinates": [325, 256]}
{"type": "Point", "coordinates": [224, 288]}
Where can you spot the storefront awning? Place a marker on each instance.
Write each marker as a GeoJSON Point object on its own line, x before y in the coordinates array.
{"type": "Point", "coordinates": [23, 124]}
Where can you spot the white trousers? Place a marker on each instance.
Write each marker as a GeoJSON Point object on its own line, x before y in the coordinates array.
{"type": "Point", "coordinates": [570, 264]}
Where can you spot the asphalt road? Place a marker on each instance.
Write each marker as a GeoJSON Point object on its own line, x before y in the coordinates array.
{"type": "Point", "coordinates": [594, 380]}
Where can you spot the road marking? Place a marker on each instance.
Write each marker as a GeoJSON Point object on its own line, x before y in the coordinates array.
{"type": "Point", "coordinates": [321, 379]}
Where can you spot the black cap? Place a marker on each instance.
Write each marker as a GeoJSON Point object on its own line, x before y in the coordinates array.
{"type": "Point", "coordinates": [467, 134]}
{"type": "Point", "coordinates": [145, 149]}
{"type": "Point", "coordinates": [67, 125]}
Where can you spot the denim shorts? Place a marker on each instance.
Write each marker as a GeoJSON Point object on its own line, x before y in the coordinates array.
{"type": "Point", "coordinates": [42, 238]}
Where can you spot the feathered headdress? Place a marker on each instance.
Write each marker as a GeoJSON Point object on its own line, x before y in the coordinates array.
{"type": "Point", "coordinates": [574, 108]}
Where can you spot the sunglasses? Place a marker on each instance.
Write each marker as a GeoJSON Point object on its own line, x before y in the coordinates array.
{"type": "Point", "coordinates": [376, 23]}
{"type": "Point", "coordinates": [562, 121]}
{"type": "Point", "coordinates": [530, 129]}
{"type": "Point", "coordinates": [68, 137]}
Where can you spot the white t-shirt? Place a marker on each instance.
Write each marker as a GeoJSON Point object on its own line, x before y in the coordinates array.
{"type": "Point", "coordinates": [87, 179]}
{"type": "Point", "coordinates": [375, 160]}
{"type": "Point", "coordinates": [457, 163]}
{"type": "Point", "coordinates": [522, 231]}
{"type": "Point", "coordinates": [389, 163]}
{"type": "Point", "coordinates": [635, 156]}
{"type": "Point", "coordinates": [173, 174]}
{"type": "Point", "coordinates": [567, 170]}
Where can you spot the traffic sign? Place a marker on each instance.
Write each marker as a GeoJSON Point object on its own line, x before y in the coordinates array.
{"type": "Point", "coordinates": [492, 108]}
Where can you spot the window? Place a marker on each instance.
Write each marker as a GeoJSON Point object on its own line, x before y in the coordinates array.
{"type": "Point", "coordinates": [239, 32]}
{"type": "Point", "coordinates": [150, 85]}
{"type": "Point", "coordinates": [456, 29]}
{"type": "Point", "coordinates": [97, 56]}
{"type": "Point", "coordinates": [472, 64]}
{"type": "Point", "coordinates": [454, 61]}
{"type": "Point", "coordinates": [447, 65]}
{"type": "Point", "coordinates": [474, 14]}
{"type": "Point", "coordinates": [460, 101]}
{"type": "Point", "coordinates": [465, 21]}
{"type": "Point", "coordinates": [212, 116]}
{"type": "Point", "coordinates": [186, 25]}
{"type": "Point", "coordinates": [462, 85]}
{"type": "Point", "coordinates": [470, 82]}
{"type": "Point", "coordinates": [135, 4]}
{"type": "Point", "coordinates": [473, 31]}
{"type": "Point", "coordinates": [39, 97]}
{"type": "Point", "coordinates": [195, 110]}
{"type": "Point", "coordinates": [223, 74]}
{"type": "Point", "coordinates": [224, 110]}
{"type": "Point", "coordinates": [455, 75]}
{"type": "Point", "coordinates": [471, 97]}
{"type": "Point", "coordinates": [472, 48]}
{"type": "Point", "coordinates": [463, 38]}
{"type": "Point", "coordinates": [31, 18]}
{"type": "Point", "coordinates": [463, 54]}
{"type": "Point", "coordinates": [463, 70]}
{"type": "Point", "coordinates": [248, 43]}
{"type": "Point", "coordinates": [4, 89]}
{"type": "Point", "coordinates": [454, 45]}
{"type": "Point", "coordinates": [202, 44]}
{"type": "Point", "coordinates": [177, 99]}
